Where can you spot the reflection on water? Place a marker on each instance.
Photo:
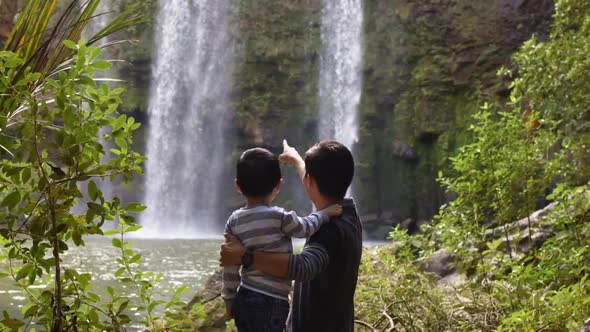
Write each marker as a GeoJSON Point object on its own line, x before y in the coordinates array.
{"type": "Point", "coordinates": [182, 262]}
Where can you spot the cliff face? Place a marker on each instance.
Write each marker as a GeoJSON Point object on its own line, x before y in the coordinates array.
{"type": "Point", "coordinates": [428, 64]}
{"type": "Point", "coordinates": [8, 10]}
{"type": "Point", "coordinates": [427, 67]}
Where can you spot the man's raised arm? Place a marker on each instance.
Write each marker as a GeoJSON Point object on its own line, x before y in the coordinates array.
{"type": "Point", "coordinates": [290, 156]}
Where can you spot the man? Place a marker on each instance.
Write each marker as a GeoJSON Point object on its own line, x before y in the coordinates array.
{"type": "Point", "coordinates": [326, 271]}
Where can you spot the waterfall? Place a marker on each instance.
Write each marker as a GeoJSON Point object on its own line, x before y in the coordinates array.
{"type": "Point", "coordinates": [340, 79]}
{"type": "Point", "coordinates": [188, 111]}
{"type": "Point", "coordinates": [104, 13]}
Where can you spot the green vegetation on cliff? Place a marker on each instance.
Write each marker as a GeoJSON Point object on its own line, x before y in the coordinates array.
{"type": "Point", "coordinates": [428, 65]}
{"type": "Point", "coordinates": [510, 269]}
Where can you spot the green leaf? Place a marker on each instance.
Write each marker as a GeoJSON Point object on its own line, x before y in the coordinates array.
{"type": "Point", "coordinates": [90, 216]}
{"type": "Point", "coordinates": [122, 307]}
{"type": "Point", "coordinates": [29, 310]}
{"type": "Point", "coordinates": [122, 143]}
{"type": "Point", "coordinates": [102, 64]}
{"type": "Point", "coordinates": [182, 289]}
{"type": "Point", "coordinates": [12, 323]}
{"type": "Point", "coordinates": [129, 220]}
{"type": "Point", "coordinates": [136, 258]}
{"type": "Point", "coordinates": [24, 271]}
{"type": "Point", "coordinates": [119, 272]}
{"type": "Point", "coordinates": [93, 191]}
{"type": "Point", "coordinates": [117, 243]}
{"type": "Point", "coordinates": [135, 207]}
{"type": "Point", "coordinates": [119, 122]}
{"type": "Point", "coordinates": [11, 200]}
{"type": "Point", "coordinates": [93, 317]}
{"type": "Point", "coordinates": [70, 44]}
{"type": "Point", "coordinates": [77, 238]}
{"type": "Point", "coordinates": [96, 208]}
{"type": "Point", "coordinates": [26, 175]}
{"type": "Point", "coordinates": [133, 228]}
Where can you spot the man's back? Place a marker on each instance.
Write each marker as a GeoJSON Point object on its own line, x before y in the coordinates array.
{"type": "Point", "coordinates": [326, 303]}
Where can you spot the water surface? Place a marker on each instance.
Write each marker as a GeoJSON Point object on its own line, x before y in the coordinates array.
{"type": "Point", "coordinates": [181, 262]}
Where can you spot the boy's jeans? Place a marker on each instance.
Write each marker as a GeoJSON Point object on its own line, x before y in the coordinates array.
{"type": "Point", "coordinates": [255, 312]}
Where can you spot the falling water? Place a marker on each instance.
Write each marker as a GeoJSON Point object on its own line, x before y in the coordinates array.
{"type": "Point", "coordinates": [187, 118]}
{"type": "Point", "coordinates": [104, 13]}
{"type": "Point", "coordinates": [340, 70]}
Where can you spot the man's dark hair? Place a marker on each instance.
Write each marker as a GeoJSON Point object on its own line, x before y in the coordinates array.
{"type": "Point", "coordinates": [332, 166]}
{"type": "Point", "coordinates": [258, 172]}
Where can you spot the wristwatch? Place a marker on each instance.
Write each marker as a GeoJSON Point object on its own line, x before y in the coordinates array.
{"type": "Point", "coordinates": [247, 259]}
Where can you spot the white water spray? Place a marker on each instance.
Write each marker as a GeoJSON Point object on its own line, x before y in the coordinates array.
{"type": "Point", "coordinates": [187, 119]}
{"type": "Point", "coordinates": [341, 70]}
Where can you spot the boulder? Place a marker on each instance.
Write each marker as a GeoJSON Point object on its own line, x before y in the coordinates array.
{"type": "Point", "coordinates": [210, 291]}
{"type": "Point", "coordinates": [439, 263]}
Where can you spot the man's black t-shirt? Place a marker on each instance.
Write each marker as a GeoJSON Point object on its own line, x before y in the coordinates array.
{"type": "Point", "coordinates": [326, 302]}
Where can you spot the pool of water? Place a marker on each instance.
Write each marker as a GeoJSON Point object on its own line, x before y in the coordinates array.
{"type": "Point", "coordinates": [181, 262]}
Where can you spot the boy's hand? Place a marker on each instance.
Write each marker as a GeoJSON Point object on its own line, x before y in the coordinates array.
{"type": "Point", "coordinates": [333, 210]}
{"type": "Point", "coordinates": [290, 156]}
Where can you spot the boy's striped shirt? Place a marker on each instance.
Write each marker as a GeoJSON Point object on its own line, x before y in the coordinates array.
{"type": "Point", "coordinates": [268, 229]}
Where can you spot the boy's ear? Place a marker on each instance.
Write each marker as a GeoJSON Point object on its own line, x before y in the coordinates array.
{"type": "Point", "coordinates": [238, 189]}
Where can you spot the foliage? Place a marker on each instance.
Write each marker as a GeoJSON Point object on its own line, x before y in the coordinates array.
{"type": "Point", "coordinates": [54, 121]}
{"type": "Point", "coordinates": [531, 151]}
{"type": "Point", "coordinates": [394, 294]}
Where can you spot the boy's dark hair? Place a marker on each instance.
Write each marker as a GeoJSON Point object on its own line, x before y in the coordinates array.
{"type": "Point", "coordinates": [332, 166]}
{"type": "Point", "coordinates": [258, 172]}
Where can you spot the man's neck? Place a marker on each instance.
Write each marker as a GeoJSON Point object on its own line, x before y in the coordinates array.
{"type": "Point", "coordinates": [321, 202]}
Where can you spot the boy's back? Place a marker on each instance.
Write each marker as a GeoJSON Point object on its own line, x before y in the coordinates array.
{"type": "Point", "coordinates": [267, 229]}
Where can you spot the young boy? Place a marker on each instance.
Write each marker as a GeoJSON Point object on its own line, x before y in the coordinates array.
{"type": "Point", "coordinates": [261, 303]}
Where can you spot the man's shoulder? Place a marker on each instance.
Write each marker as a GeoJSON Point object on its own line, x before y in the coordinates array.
{"type": "Point", "coordinates": [328, 232]}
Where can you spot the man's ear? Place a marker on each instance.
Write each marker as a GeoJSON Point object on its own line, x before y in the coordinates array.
{"type": "Point", "coordinates": [279, 186]}
{"type": "Point", "coordinates": [311, 182]}
{"type": "Point", "coordinates": [238, 189]}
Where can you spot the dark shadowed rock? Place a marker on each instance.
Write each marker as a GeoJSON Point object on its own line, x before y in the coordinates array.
{"type": "Point", "coordinates": [518, 3]}
{"type": "Point", "coordinates": [210, 291]}
{"type": "Point", "coordinates": [402, 150]}
{"type": "Point", "coordinates": [439, 263]}
{"type": "Point", "coordinates": [406, 223]}
{"type": "Point", "coordinates": [586, 327]}
{"type": "Point", "coordinates": [535, 241]}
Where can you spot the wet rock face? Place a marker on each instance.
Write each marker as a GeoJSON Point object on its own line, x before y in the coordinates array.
{"type": "Point", "coordinates": [8, 10]}
{"type": "Point", "coordinates": [402, 150]}
{"type": "Point", "coordinates": [428, 66]}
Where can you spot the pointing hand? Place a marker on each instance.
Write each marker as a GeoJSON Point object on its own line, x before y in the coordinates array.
{"type": "Point", "coordinates": [290, 156]}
